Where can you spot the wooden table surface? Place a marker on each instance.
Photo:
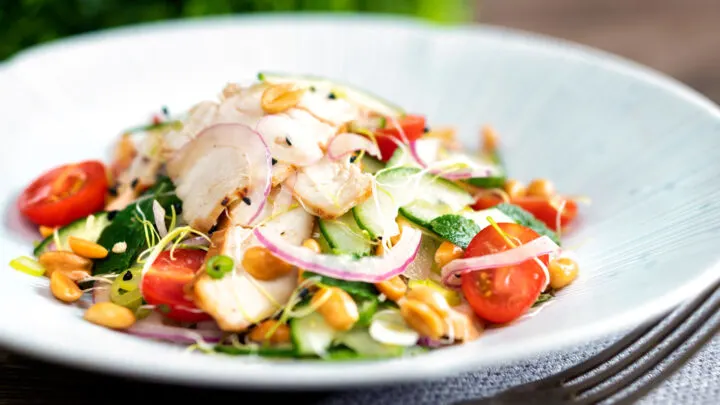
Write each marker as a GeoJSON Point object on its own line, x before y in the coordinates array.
{"type": "Point", "coordinates": [680, 38]}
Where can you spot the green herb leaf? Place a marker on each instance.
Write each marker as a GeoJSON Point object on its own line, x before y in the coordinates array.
{"type": "Point", "coordinates": [126, 228]}
{"type": "Point", "coordinates": [355, 288]}
{"type": "Point", "coordinates": [527, 219]}
{"type": "Point", "coordinates": [455, 229]}
{"type": "Point", "coordinates": [544, 297]}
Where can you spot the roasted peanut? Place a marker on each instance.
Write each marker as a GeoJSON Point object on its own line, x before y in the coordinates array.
{"type": "Point", "coordinates": [432, 298]}
{"type": "Point", "coordinates": [85, 248]}
{"type": "Point", "coordinates": [311, 244]}
{"type": "Point", "coordinates": [280, 332]}
{"type": "Point", "coordinates": [446, 253]}
{"type": "Point", "coordinates": [63, 288]}
{"type": "Point", "coordinates": [422, 319]}
{"type": "Point", "coordinates": [514, 189]}
{"type": "Point", "coordinates": [563, 271]}
{"type": "Point", "coordinates": [110, 315]}
{"type": "Point", "coordinates": [393, 288]}
{"type": "Point", "coordinates": [337, 307]}
{"type": "Point", "coordinates": [46, 231]}
{"type": "Point", "coordinates": [490, 139]}
{"type": "Point", "coordinates": [263, 265]}
{"type": "Point", "coordinates": [278, 98]}
{"type": "Point", "coordinates": [541, 188]}
{"type": "Point", "coordinates": [63, 261]}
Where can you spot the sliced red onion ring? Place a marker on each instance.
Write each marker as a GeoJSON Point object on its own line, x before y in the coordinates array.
{"type": "Point", "coordinates": [426, 151]}
{"type": "Point", "coordinates": [159, 216]}
{"type": "Point", "coordinates": [196, 241]}
{"type": "Point", "coordinates": [368, 269]}
{"type": "Point", "coordinates": [152, 326]}
{"type": "Point", "coordinates": [537, 247]}
{"type": "Point", "coordinates": [343, 144]}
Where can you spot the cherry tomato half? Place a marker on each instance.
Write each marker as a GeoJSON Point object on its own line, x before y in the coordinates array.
{"type": "Point", "coordinates": [65, 194]}
{"type": "Point", "coordinates": [503, 294]}
{"type": "Point", "coordinates": [546, 210]}
{"type": "Point", "coordinates": [164, 284]}
{"type": "Point", "coordinates": [413, 126]}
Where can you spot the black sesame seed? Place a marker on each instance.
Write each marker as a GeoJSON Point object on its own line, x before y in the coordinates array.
{"type": "Point", "coordinates": [113, 191]}
{"type": "Point", "coordinates": [127, 276]}
{"type": "Point", "coordinates": [353, 159]}
{"type": "Point", "coordinates": [332, 96]}
{"type": "Point", "coordinates": [165, 111]}
{"type": "Point", "coordinates": [426, 129]}
{"type": "Point", "coordinates": [287, 140]}
{"type": "Point", "coordinates": [312, 89]}
{"type": "Point", "coordinates": [274, 161]}
{"type": "Point", "coordinates": [225, 201]}
{"type": "Point", "coordinates": [246, 200]}
{"type": "Point", "coordinates": [134, 183]}
{"type": "Point", "coordinates": [111, 214]}
{"type": "Point", "coordinates": [303, 293]}
{"type": "Point", "coordinates": [178, 208]}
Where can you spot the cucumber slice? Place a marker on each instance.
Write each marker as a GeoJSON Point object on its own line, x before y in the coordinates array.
{"type": "Point", "coordinates": [480, 217]}
{"type": "Point", "coordinates": [422, 212]}
{"type": "Point", "coordinates": [360, 341]}
{"type": "Point", "coordinates": [351, 93]}
{"type": "Point", "coordinates": [371, 165]}
{"type": "Point", "coordinates": [419, 194]}
{"type": "Point", "coordinates": [401, 157]}
{"type": "Point", "coordinates": [311, 335]}
{"type": "Point", "coordinates": [88, 228]}
{"type": "Point", "coordinates": [345, 237]}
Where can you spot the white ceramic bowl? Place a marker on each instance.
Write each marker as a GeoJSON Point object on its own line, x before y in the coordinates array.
{"type": "Point", "coordinates": [642, 146]}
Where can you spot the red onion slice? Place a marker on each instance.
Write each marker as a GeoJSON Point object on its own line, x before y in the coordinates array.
{"type": "Point", "coordinates": [537, 247]}
{"type": "Point", "coordinates": [153, 328]}
{"type": "Point", "coordinates": [368, 269]}
{"type": "Point", "coordinates": [346, 143]}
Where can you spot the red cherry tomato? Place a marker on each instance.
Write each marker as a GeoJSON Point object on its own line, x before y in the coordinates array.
{"type": "Point", "coordinates": [164, 284]}
{"type": "Point", "coordinates": [65, 194]}
{"type": "Point", "coordinates": [503, 294]}
{"type": "Point", "coordinates": [413, 126]}
{"type": "Point", "coordinates": [546, 210]}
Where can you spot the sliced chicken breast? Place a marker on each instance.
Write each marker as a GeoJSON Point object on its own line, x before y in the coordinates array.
{"type": "Point", "coordinates": [330, 188]}
{"type": "Point", "coordinates": [238, 300]}
{"type": "Point", "coordinates": [215, 170]}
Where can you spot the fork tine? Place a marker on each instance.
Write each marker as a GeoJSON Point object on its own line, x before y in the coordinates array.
{"type": "Point", "coordinates": [655, 336]}
{"type": "Point", "coordinates": [673, 367]}
{"type": "Point", "coordinates": [672, 343]}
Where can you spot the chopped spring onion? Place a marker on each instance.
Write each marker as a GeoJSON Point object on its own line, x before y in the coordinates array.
{"type": "Point", "coordinates": [28, 265]}
{"type": "Point", "coordinates": [125, 289]}
{"type": "Point", "coordinates": [220, 265]}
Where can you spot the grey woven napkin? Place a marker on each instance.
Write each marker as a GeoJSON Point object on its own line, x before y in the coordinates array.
{"type": "Point", "coordinates": [26, 381]}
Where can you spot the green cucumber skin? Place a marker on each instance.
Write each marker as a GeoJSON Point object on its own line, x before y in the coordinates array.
{"type": "Point", "coordinates": [353, 247]}
{"type": "Point", "coordinates": [101, 219]}
{"type": "Point", "coordinates": [284, 352]}
{"type": "Point", "coordinates": [487, 182]}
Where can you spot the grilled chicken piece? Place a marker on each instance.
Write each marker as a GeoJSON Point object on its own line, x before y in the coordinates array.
{"type": "Point", "coordinates": [330, 188]}
{"type": "Point", "coordinates": [212, 172]}
{"type": "Point", "coordinates": [238, 300]}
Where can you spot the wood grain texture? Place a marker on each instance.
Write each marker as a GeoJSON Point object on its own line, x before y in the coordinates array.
{"type": "Point", "coordinates": [678, 37]}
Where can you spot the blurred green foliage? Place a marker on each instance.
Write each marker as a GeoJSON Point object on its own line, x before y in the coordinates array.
{"type": "Point", "coordinates": [28, 22]}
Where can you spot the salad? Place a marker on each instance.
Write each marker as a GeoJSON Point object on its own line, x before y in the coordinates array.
{"type": "Point", "coordinates": [299, 217]}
